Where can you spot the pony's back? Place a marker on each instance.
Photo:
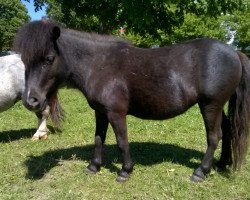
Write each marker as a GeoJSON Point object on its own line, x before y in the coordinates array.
{"type": "Point", "coordinates": [11, 80]}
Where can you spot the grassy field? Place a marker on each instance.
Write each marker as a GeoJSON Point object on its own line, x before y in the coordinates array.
{"type": "Point", "coordinates": [165, 154]}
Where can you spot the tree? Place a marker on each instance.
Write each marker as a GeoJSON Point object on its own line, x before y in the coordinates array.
{"type": "Point", "coordinates": [149, 22]}
{"type": "Point", "coordinates": [139, 16]}
{"type": "Point", "coordinates": [241, 23]}
{"type": "Point", "coordinates": [12, 14]}
{"type": "Point", "coordinates": [192, 27]}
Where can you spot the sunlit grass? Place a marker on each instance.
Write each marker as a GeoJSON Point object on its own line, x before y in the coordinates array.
{"type": "Point", "coordinates": [165, 154]}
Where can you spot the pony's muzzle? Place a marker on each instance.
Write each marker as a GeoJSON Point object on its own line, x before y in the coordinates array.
{"type": "Point", "coordinates": [33, 101]}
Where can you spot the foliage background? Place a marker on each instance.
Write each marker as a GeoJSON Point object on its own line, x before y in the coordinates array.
{"type": "Point", "coordinates": [12, 15]}
{"type": "Point", "coordinates": [147, 22]}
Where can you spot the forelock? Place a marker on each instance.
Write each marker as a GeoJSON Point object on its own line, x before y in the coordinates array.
{"type": "Point", "coordinates": [34, 40]}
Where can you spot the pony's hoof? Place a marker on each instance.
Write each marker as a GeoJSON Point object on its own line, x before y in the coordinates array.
{"type": "Point", "coordinates": [219, 167]}
{"type": "Point", "coordinates": [222, 166]}
{"type": "Point", "coordinates": [35, 138]}
{"type": "Point", "coordinates": [198, 175]}
{"type": "Point", "coordinates": [196, 179]}
{"type": "Point", "coordinates": [121, 179]}
{"type": "Point", "coordinates": [40, 135]}
{"type": "Point", "coordinates": [44, 137]}
{"type": "Point", "coordinates": [91, 169]}
{"type": "Point", "coordinates": [88, 171]}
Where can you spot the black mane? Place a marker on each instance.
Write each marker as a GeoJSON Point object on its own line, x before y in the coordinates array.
{"type": "Point", "coordinates": [35, 38]}
{"type": "Point", "coordinates": [32, 39]}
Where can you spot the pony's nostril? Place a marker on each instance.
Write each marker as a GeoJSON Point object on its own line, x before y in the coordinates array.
{"type": "Point", "coordinates": [33, 102]}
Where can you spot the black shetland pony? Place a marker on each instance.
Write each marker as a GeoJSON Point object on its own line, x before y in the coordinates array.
{"type": "Point", "coordinates": [118, 79]}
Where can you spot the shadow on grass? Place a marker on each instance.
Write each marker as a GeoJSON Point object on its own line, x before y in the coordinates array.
{"type": "Point", "coordinates": [147, 154]}
{"type": "Point", "coordinates": [13, 135]}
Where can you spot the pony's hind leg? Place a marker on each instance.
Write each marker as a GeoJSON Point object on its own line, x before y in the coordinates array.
{"type": "Point", "coordinates": [212, 116]}
{"type": "Point", "coordinates": [226, 152]}
{"type": "Point", "coordinates": [100, 136]}
{"type": "Point", "coordinates": [119, 126]}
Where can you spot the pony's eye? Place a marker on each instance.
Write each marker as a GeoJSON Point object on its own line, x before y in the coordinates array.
{"type": "Point", "coordinates": [49, 60]}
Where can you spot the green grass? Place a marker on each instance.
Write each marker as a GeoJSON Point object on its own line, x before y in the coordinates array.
{"type": "Point", "coordinates": [165, 154]}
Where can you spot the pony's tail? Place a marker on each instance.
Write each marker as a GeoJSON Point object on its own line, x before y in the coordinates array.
{"type": "Point", "coordinates": [56, 111]}
{"type": "Point", "coordinates": [238, 114]}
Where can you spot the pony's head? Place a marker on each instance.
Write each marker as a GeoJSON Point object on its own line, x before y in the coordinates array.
{"type": "Point", "coordinates": [37, 43]}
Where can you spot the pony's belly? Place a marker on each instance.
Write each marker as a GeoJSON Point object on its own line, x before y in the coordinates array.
{"type": "Point", "coordinates": [157, 112]}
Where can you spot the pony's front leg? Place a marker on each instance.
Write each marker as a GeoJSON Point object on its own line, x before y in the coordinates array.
{"type": "Point", "coordinates": [42, 131]}
{"type": "Point", "coordinates": [119, 126]}
{"type": "Point", "coordinates": [100, 136]}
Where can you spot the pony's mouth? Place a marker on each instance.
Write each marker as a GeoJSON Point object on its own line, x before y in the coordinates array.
{"type": "Point", "coordinates": [35, 105]}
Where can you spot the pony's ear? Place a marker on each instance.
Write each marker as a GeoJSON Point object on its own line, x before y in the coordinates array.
{"type": "Point", "coordinates": [56, 32]}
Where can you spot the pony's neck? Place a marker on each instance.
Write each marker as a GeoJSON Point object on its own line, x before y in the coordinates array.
{"type": "Point", "coordinates": [78, 55]}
